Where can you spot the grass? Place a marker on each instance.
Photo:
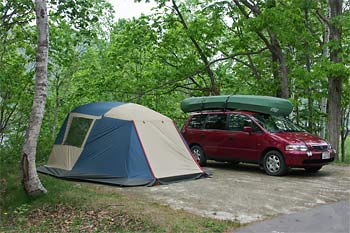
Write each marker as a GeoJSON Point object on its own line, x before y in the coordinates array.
{"type": "Point", "coordinates": [74, 207]}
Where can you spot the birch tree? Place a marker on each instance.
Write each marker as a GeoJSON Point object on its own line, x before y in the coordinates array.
{"type": "Point", "coordinates": [30, 178]}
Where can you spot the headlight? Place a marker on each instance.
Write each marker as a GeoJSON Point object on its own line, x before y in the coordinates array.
{"type": "Point", "coordinates": [297, 147]}
{"type": "Point", "coordinates": [329, 147]}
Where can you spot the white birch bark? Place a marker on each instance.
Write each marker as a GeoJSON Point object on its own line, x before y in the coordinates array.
{"type": "Point", "coordinates": [31, 181]}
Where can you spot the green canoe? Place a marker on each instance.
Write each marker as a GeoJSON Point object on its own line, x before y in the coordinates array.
{"type": "Point", "coordinates": [254, 103]}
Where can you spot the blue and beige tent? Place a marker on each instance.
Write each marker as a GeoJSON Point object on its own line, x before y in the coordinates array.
{"type": "Point", "coordinates": [120, 143]}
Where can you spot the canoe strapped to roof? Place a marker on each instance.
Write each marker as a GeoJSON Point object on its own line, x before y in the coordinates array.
{"type": "Point", "coordinates": [263, 104]}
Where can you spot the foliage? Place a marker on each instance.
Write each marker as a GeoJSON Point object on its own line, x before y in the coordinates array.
{"type": "Point", "coordinates": [153, 60]}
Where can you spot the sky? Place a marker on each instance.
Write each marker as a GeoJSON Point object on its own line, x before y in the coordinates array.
{"type": "Point", "coordinates": [128, 8]}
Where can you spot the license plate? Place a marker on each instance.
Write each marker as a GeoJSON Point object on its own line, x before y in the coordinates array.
{"type": "Point", "coordinates": [326, 155]}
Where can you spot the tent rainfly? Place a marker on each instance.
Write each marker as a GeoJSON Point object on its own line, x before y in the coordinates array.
{"type": "Point", "coordinates": [121, 144]}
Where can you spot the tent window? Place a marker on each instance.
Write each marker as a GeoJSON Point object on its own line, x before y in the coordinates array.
{"type": "Point", "coordinates": [77, 131]}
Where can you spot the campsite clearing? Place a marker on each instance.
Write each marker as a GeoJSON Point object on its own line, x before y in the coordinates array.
{"type": "Point", "coordinates": [245, 194]}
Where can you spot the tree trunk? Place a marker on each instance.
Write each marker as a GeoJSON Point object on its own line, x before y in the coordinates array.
{"type": "Point", "coordinates": [334, 81]}
{"type": "Point", "coordinates": [334, 101]}
{"type": "Point", "coordinates": [276, 49]}
{"type": "Point", "coordinates": [324, 101]}
{"type": "Point", "coordinates": [55, 114]}
{"type": "Point", "coordinates": [323, 119]}
{"type": "Point", "coordinates": [57, 103]}
{"type": "Point", "coordinates": [31, 181]}
{"type": "Point", "coordinates": [310, 120]}
{"type": "Point", "coordinates": [342, 146]}
{"type": "Point", "coordinates": [345, 113]}
{"type": "Point", "coordinates": [296, 109]}
{"type": "Point", "coordinates": [343, 150]}
{"type": "Point", "coordinates": [284, 76]}
{"type": "Point", "coordinates": [276, 74]}
{"type": "Point", "coordinates": [310, 101]}
{"type": "Point", "coordinates": [280, 73]}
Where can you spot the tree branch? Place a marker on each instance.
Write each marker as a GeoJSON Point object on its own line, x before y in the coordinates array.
{"type": "Point", "coordinates": [200, 51]}
{"type": "Point", "coordinates": [323, 18]}
{"type": "Point", "coordinates": [232, 56]}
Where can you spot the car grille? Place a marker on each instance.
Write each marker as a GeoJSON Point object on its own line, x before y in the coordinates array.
{"type": "Point", "coordinates": [320, 147]}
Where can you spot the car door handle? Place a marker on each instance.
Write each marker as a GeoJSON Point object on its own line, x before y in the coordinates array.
{"type": "Point", "coordinates": [230, 137]}
{"type": "Point", "coordinates": [202, 135]}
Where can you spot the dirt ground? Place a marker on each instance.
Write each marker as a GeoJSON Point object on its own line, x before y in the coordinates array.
{"type": "Point", "coordinates": [246, 194]}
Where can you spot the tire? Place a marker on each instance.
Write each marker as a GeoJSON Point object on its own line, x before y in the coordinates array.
{"type": "Point", "coordinates": [199, 155]}
{"type": "Point", "coordinates": [312, 169]}
{"type": "Point", "coordinates": [274, 164]}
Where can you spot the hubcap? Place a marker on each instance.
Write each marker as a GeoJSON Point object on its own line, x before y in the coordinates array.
{"type": "Point", "coordinates": [273, 163]}
{"type": "Point", "coordinates": [197, 154]}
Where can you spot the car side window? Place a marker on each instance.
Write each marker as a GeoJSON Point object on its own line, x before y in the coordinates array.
{"type": "Point", "coordinates": [197, 121]}
{"type": "Point", "coordinates": [215, 121]}
{"type": "Point", "coordinates": [256, 128]}
{"type": "Point", "coordinates": [236, 122]}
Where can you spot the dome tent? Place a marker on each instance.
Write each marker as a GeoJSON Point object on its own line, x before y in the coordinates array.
{"type": "Point", "coordinates": [120, 143]}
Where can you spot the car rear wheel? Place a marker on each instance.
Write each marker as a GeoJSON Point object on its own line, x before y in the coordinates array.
{"type": "Point", "coordinates": [199, 155]}
{"type": "Point", "coordinates": [312, 169]}
{"type": "Point", "coordinates": [274, 164]}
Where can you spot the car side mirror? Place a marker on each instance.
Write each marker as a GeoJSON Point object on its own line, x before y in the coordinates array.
{"type": "Point", "coordinates": [247, 129]}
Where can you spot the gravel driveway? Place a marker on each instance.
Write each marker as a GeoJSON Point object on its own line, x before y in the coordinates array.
{"type": "Point", "coordinates": [246, 194]}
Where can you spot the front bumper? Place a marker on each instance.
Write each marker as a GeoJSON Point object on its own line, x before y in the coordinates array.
{"type": "Point", "coordinates": [301, 158]}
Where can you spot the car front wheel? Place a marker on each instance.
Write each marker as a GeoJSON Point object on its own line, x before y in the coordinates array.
{"type": "Point", "coordinates": [199, 155]}
{"type": "Point", "coordinates": [274, 164]}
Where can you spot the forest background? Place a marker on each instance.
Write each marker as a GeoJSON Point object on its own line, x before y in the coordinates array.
{"type": "Point", "coordinates": [291, 49]}
{"type": "Point", "coordinates": [182, 49]}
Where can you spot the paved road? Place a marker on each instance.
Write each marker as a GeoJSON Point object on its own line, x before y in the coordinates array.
{"type": "Point", "coordinates": [332, 218]}
{"type": "Point", "coordinates": [246, 194]}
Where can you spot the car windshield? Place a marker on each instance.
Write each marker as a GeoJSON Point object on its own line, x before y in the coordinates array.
{"type": "Point", "coordinates": [276, 124]}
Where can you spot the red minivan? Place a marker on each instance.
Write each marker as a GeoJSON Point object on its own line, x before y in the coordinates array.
{"type": "Point", "coordinates": [274, 143]}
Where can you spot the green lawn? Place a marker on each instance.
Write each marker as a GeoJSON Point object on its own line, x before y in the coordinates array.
{"type": "Point", "coordinates": [74, 207]}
